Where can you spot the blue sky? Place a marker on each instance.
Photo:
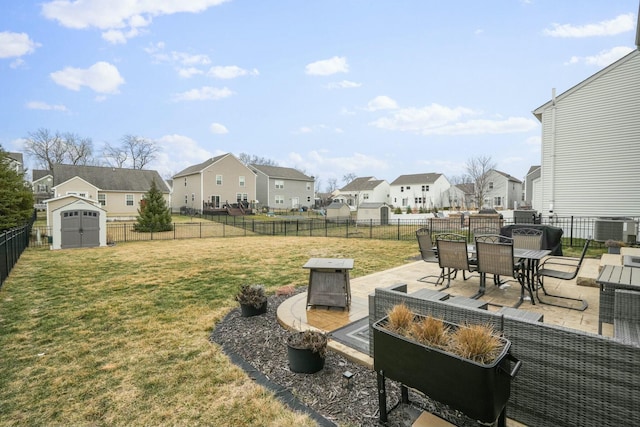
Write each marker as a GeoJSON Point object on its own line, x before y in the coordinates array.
{"type": "Point", "coordinates": [332, 87]}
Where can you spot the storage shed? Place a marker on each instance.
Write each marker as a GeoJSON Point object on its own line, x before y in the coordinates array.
{"type": "Point", "coordinates": [338, 210]}
{"type": "Point", "coordinates": [76, 222]}
{"type": "Point", "coordinates": [376, 213]}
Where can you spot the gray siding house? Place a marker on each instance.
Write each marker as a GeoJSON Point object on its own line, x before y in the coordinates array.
{"type": "Point", "coordinates": [283, 188]}
{"type": "Point", "coordinates": [591, 145]}
{"type": "Point", "coordinates": [504, 192]}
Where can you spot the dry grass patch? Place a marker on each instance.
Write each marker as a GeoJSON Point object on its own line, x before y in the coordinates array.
{"type": "Point", "coordinates": [119, 335]}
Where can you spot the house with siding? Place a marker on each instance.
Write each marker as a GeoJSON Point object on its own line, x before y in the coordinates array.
{"type": "Point", "coordinates": [366, 189]}
{"type": "Point", "coordinates": [283, 188]}
{"type": "Point", "coordinates": [423, 190]}
{"type": "Point", "coordinates": [503, 191]}
{"type": "Point", "coordinates": [591, 145]}
{"type": "Point", "coordinates": [532, 187]}
{"type": "Point", "coordinates": [214, 184]}
{"type": "Point", "coordinates": [117, 191]}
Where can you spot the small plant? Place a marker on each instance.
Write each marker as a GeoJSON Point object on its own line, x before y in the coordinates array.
{"type": "Point", "coordinates": [476, 342]}
{"type": "Point", "coordinates": [409, 210]}
{"type": "Point", "coordinates": [309, 340]}
{"type": "Point", "coordinates": [397, 211]}
{"type": "Point", "coordinates": [400, 319]}
{"type": "Point", "coordinates": [614, 244]}
{"type": "Point", "coordinates": [430, 331]}
{"type": "Point", "coordinates": [253, 295]}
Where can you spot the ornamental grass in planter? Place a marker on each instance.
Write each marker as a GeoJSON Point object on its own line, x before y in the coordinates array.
{"type": "Point", "coordinates": [464, 366]}
{"type": "Point", "coordinates": [252, 299]}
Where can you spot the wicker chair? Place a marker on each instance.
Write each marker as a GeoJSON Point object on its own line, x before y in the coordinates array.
{"type": "Point", "coordinates": [626, 316]}
{"type": "Point", "coordinates": [429, 253]}
{"type": "Point", "coordinates": [563, 268]}
{"type": "Point", "coordinates": [495, 256]}
{"type": "Point", "coordinates": [453, 256]}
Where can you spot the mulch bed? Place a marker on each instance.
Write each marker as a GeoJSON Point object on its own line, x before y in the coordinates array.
{"type": "Point", "coordinates": [258, 345]}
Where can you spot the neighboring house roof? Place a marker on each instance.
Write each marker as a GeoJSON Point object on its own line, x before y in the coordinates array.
{"type": "Point", "coordinates": [282, 172]}
{"type": "Point", "coordinates": [418, 178]}
{"type": "Point", "coordinates": [199, 167]}
{"type": "Point", "coordinates": [372, 205]}
{"type": "Point", "coordinates": [533, 169]}
{"type": "Point", "coordinates": [337, 205]}
{"type": "Point", "coordinates": [16, 156]}
{"type": "Point", "coordinates": [37, 174]}
{"type": "Point", "coordinates": [467, 187]}
{"type": "Point", "coordinates": [362, 184]}
{"type": "Point", "coordinates": [509, 177]}
{"type": "Point", "coordinates": [538, 111]}
{"type": "Point", "coordinates": [110, 179]}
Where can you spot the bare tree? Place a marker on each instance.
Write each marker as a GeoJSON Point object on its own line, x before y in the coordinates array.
{"type": "Point", "coordinates": [332, 185]}
{"type": "Point", "coordinates": [347, 178]}
{"type": "Point", "coordinates": [134, 152]}
{"type": "Point", "coordinates": [49, 148]}
{"type": "Point", "coordinates": [478, 169]}
{"type": "Point", "coordinates": [249, 159]}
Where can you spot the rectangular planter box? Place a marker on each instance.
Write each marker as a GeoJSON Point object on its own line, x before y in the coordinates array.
{"type": "Point", "coordinates": [479, 391]}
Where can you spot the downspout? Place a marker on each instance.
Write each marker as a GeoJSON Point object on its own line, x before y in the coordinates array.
{"type": "Point", "coordinates": [552, 149]}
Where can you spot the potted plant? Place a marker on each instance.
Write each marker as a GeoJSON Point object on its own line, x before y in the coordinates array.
{"type": "Point", "coordinates": [464, 366]}
{"type": "Point", "coordinates": [306, 351]}
{"type": "Point", "coordinates": [252, 299]}
{"type": "Point", "coordinates": [614, 246]}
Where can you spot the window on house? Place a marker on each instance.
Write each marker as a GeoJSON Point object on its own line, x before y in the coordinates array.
{"type": "Point", "coordinates": [185, 182]}
{"type": "Point", "coordinates": [102, 199]}
{"type": "Point", "coordinates": [365, 196]}
{"type": "Point", "coordinates": [408, 187]}
{"type": "Point", "coordinates": [193, 197]}
{"type": "Point", "coordinates": [186, 199]}
{"type": "Point", "coordinates": [279, 184]}
{"type": "Point", "coordinates": [497, 201]}
{"type": "Point", "coordinates": [308, 199]}
{"type": "Point", "coordinates": [218, 179]}
{"type": "Point", "coordinates": [490, 185]}
{"type": "Point", "coordinates": [241, 181]}
{"type": "Point", "coordinates": [401, 189]}
{"type": "Point", "coordinates": [425, 188]}
{"type": "Point", "coordinates": [279, 200]}
{"type": "Point", "coordinates": [308, 186]}
{"type": "Point", "coordinates": [129, 199]}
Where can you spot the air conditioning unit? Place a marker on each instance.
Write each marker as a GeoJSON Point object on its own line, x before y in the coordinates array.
{"type": "Point", "coordinates": [623, 229]}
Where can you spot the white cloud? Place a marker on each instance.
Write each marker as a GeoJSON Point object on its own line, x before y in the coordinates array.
{"type": "Point", "coordinates": [603, 58]}
{"type": "Point", "coordinates": [124, 16]}
{"type": "Point", "coordinates": [16, 44]}
{"type": "Point", "coordinates": [327, 67]}
{"type": "Point", "coordinates": [345, 84]}
{"type": "Point", "coordinates": [315, 162]}
{"type": "Point", "coordinates": [381, 103]}
{"type": "Point", "coordinates": [178, 152]}
{"type": "Point", "coordinates": [186, 73]}
{"type": "Point", "coordinates": [204, 93]}
{"type": "Point", "coordinates": [39, 105]}
{"type": "Point", "coordinates": [218, 129]}
{"type": "Point", "coordinates": [620, 24]}
{"type": "Point", "coordinates": [436, 119]}
{"type": "Point", "coordinates": [230, 72]}
{"type": "Point", "coordinates": [101, 77]}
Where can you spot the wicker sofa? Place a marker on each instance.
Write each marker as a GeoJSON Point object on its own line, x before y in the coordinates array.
{"type": "Point", "coordinates": [568, 377]}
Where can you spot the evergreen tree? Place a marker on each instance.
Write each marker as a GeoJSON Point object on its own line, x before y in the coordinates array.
{"type": "Point", "coordinates": [153, 214]}
{"type": "Point", "coordinates": [16, 197]}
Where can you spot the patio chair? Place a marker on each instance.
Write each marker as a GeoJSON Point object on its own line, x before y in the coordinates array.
{"type": "Point", "coordinates": [563, 268]}
{"type": "Point", "coordinates": [495, 256]}
{"type": "Point", "coordinates": [527, 238]}
{"type": "Point", "coordinates": [429, 254]}
{"type": "Point", "coordinates": [453, 256]}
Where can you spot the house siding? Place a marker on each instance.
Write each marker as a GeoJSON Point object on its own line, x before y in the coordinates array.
{"type": "Point", "coordinates": [591, 163]}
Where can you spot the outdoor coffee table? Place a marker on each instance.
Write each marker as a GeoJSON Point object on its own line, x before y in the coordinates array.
{"type": "Point", "coordinates": [329, 282]}
{"type": "Point", "coordinates": [614, 277]}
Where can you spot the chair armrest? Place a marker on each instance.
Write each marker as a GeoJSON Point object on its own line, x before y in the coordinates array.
{"type": "Point", "coordinates": [566, 261]}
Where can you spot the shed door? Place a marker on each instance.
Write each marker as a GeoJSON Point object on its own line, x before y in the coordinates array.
{"type": "Point", "coordinates": [384, 215]}
{"type": "Point", "coordinates": [80, 229]}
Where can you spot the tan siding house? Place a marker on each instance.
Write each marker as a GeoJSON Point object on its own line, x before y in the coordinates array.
{"type": "Point", "coordinates": [118, 191]}
{"type": "Point", "coordinates": [213, 184]}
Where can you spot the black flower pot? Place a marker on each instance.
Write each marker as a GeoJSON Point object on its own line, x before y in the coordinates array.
{"type": "Point", "coordinates": [303, 360]}
{"type": "Point", "coordinates": [480, 391]}
{"type": "Point", "coordinates": [249, 310]}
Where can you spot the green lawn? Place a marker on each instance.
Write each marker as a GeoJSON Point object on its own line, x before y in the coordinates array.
{"type": "Point", "coordinates": [119, 335]}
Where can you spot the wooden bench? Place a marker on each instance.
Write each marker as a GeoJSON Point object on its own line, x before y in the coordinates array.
{"type": "Point", "coordinates": [626, 316]}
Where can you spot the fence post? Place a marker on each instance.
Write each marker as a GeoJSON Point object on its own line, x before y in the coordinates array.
{"type": "Point", "coordinates": [200, 230]}
{"type": "Point", "coordinates": [347, 236]}
{"type": "Point", "coordinates": [571, 232]}
{"type": "Point", "coordinates": [124, 227]}
{"type": "Point", "coordinates": [174, 231]}
{"type": "Point", "coordinates": [370, 228]}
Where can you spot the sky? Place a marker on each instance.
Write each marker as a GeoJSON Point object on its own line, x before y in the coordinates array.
{"type": "Point", "coordinates": [377, 88]}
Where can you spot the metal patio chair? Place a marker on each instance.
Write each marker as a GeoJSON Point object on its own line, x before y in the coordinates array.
{"type": "Point", "coordinates": [429, 254]}
{"type": "Point", "coordinates": [453, 256]}
{"type": "Point", "coordinates": [527, 238]}
{"type": "Point", "coordinates": [563, 268]}
{"type": "Point", "coordinates": [495, 256]}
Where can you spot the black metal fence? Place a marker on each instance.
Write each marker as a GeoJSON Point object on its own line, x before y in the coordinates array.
{"type": "Point", "coordinates": [12, 243]}
{"type": "Point", "coordinates": [575, 229]}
